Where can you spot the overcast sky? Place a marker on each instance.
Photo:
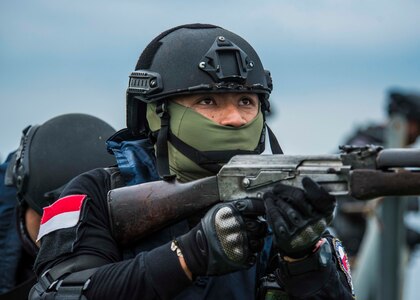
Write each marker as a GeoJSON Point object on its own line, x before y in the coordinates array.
{"type": "Point", "coordinates": [332, 62]}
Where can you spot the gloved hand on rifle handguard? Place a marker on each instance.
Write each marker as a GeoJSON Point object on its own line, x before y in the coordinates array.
{"type": "Point", "coordinates": [226, 240]}
{"type": "Point", "coordinates": [298, 217]}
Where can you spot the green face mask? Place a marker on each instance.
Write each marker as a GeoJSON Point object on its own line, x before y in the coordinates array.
{"type": "Point", "coordinates": [203, 134]}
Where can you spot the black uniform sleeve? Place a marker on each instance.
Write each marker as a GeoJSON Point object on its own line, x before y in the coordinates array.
{"type": "Point", "coordinates": [333, 281]}
{"type": "Point", "coordinates": [141, 277]}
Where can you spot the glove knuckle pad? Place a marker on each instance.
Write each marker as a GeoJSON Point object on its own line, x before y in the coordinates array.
{"type": "Point", "coordinates": [250, 206]}
{"type": "Point", "coordinates": [230, 234]}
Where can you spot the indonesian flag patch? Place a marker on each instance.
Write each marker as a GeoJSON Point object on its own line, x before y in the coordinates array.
{"type": "Point", "coordinates": [63, 213]}
{"type": "Point", "coordinates": [343, 261]}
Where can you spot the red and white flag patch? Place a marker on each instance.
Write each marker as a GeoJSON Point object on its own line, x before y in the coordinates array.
{"type": "Point", "coordinates": [343, 261]}
{"type": "Point", "coordinates": [63, 213]}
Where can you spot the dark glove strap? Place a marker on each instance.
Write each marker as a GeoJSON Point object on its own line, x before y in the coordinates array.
{"type": "Point", "coordinates": [193, 246]}
{"type": "Point", "coordinates": [315, 262]}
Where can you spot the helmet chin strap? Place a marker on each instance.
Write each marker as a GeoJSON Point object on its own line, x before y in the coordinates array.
{"type": "Point", "coordinates": [209, 160]}
{"type": "Point", "coordinates": [274, 143]}
{"type": "Point", "coordinates": [162, 157]}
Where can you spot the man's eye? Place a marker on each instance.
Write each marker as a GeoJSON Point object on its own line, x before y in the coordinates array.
{"type": "Point", "coordinates": [206, 101]}
{"type": "Point", "coordinates": [246, 102]}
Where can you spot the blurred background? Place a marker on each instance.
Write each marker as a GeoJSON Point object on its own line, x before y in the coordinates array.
{"type": "Point", "coordinates": [332, 62]}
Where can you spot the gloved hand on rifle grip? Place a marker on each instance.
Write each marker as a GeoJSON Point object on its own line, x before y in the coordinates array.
{"type": "Point", "coordinates": [227, 239]}
{"type": "Point", "coordinates": [298, 217]}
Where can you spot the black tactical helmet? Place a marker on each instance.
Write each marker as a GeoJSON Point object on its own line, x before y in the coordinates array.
{"type": "Point", "coordinates": [406, 104]}
{"type": "Point", "coordinates": [193, 58]}
{"type": "Point", "coordinates": [53, 153]}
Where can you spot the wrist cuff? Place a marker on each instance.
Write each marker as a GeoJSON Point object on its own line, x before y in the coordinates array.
{"type": "Point", "coordinates": [318, 260]}
{"type": "Point", "coordinates": [165, 271]}
{"type": "Point", "coordinates": [313, 270]}
{"type": "Point", "coordinates": [193, 247]}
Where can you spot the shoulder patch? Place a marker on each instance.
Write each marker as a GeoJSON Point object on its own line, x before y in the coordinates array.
{"type": "Point", "coordinates": [343, 261]}
{"type": "Point", "coordinates": [63, 213]}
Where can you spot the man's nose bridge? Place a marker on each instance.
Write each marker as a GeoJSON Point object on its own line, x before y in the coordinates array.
{"type": "Point", "coordinates": [232, 115]}
{"type": "Point", "coordinates": [231, 110]}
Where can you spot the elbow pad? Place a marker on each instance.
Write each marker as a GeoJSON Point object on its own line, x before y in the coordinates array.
{"type": "Point", "coordinates": [70, 287]}
{"type": "Point", "coordinates": [66, 280]}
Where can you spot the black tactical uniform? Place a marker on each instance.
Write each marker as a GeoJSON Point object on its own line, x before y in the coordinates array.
{"type": "Point", "coordinates": [148, 270]}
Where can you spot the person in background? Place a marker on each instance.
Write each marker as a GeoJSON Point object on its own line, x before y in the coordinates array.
{"type": "Point", "coordinates": [9, 240]}
{"type": "Point", "coordinates": [351, 215]}
{"type": "Point", "coordinates": [398, 102]}
{"type": "Point", "coordinates": [32, 178]}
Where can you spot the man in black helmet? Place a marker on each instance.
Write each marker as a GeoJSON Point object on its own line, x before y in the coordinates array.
{"type": "Point", "coordinates": [49, 156]}
{"type": "Point", "coordinates": [401, 103]}
{"type": "Point", "coordinates": [198, 97]}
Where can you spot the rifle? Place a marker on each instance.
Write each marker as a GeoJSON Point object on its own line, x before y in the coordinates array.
{"type": "Point", "coordinates": [361, 172]}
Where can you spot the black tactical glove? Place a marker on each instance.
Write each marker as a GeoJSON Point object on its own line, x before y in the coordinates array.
{"type": "Point", "coordinates": [298, 217]}
{"type": "Point", "coordinates": [227, 238]}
